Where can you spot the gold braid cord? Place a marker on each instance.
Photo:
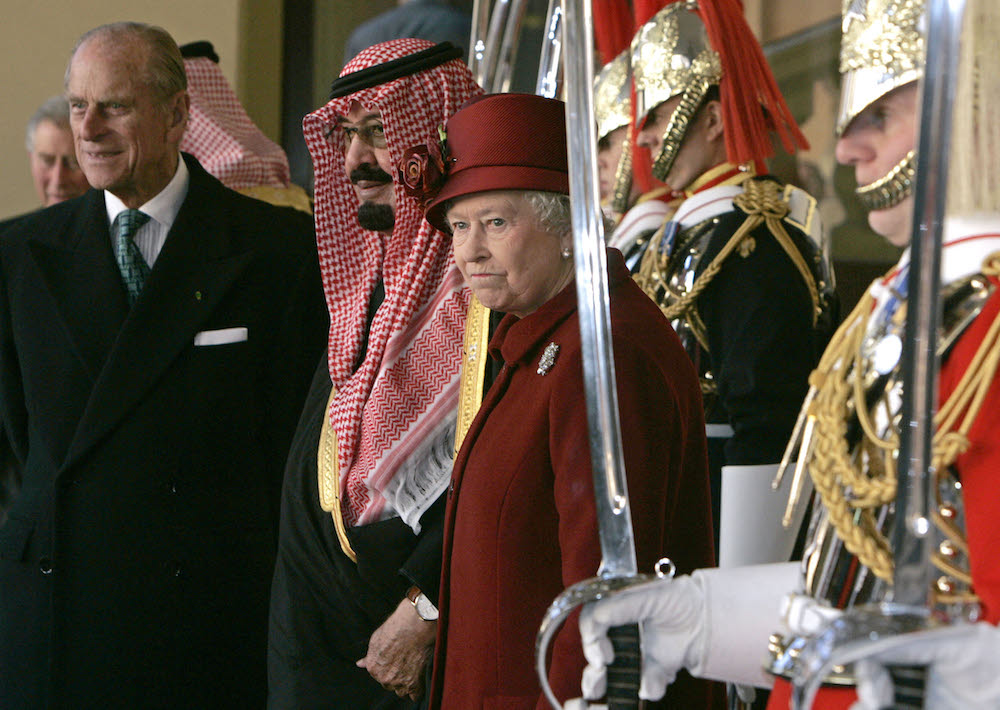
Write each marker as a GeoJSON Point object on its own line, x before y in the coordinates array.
{"type": "Point", "coordinates": [852, 494]}
{"type": "Point", "coordinates": [762, 201]}
{"type": "Point", "coordinates": [328, 470]}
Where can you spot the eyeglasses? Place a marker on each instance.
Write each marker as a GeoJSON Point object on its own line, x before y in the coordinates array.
{"type": "Point", "coordinates": [371, 134]}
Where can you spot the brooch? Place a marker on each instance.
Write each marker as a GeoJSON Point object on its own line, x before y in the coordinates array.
{"type": "Point", "coordinates": [548, 358]}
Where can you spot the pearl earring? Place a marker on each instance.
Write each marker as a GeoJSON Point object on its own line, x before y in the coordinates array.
{"type": "Point", "coordinates": [566, 252]}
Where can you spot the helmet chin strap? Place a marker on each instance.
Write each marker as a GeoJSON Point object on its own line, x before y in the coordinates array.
{"type": "Point", "coordinates": [677, 128]}
{"type": "Point", "coordinates": [890, 189]}
{"type": "Point", "coordinates": [621, 196]}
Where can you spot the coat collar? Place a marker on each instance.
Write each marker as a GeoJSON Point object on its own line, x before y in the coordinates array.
{"type": "Point", "coordinates": [518, 340]}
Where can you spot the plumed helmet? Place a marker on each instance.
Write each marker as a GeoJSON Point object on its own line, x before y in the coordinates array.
{"type": "Point", "coordinates": [671, 54]}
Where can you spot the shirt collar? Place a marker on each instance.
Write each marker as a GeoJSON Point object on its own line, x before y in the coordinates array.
{"type": "Point", "coordinates": [164, 206]}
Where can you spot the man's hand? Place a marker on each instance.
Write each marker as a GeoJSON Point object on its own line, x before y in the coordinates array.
{"type": "Point", "coordinates": [399, 651]}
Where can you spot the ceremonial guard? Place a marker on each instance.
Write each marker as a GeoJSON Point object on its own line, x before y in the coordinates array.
{"type": "Point", "coordinates": [857, 388]}
{"type": "Point", "coordinates": [740, 268]}
{"type": "Point", "coordinates": [636, 215]}
{"type": "Point", "coordinates": [850, 438]}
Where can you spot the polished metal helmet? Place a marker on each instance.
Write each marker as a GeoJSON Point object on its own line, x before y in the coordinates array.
{"type": "Point", "coordinates": [672, 56]}
{"type": "Point", "coordinates": [689, 46]}
{"type": "Point", "coordinates": [612, 95]}
{"type": "Point", "coordinates": [613, 110]}
{"type": "Point", "coordinates": [882, 50]}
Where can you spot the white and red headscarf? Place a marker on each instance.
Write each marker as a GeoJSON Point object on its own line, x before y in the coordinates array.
{"type": "Point", "coordinates": [404, 394]}
{"type": "Point", "coordinates": [221, 135]}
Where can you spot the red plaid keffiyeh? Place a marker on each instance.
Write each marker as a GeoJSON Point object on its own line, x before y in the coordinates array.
{"type": "Point", "coordinates": [221, 135]}
{"type": "Point", "coordinates": [405, 390]}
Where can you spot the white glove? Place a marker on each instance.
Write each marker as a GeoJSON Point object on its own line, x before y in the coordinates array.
{"type": "Point", "coordinates": [581, 704]}
{"type": "Point", "coordinates": [715, 623]}
{"type": "Point", "coordinates": [671, 614]}
{"type": "Point", "coordinates": [963, 668]}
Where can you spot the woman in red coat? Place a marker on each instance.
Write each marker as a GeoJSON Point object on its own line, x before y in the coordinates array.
{"type": "Point", "coordinates": [521, 518]}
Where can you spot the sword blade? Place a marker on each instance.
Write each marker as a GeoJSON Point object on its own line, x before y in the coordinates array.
{"type": "Point", "coordinates": [912, 537]}
{"type": "Point", "coordinates": [613, 514]}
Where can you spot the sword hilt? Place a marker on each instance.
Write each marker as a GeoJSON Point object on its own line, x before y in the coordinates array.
{"type": "Point", "coordinates": [908, 685]}
{"type": "Point", "coordinates": [624, 673]}
{"type": "Point", "coordinates": [574, 597]}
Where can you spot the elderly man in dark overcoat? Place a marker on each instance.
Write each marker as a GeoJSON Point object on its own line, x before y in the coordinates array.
{"type": "Point", "coordinates": [157, 337]}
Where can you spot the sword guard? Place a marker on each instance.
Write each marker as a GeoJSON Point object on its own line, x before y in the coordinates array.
{"type": "Point", "coordinates": [575, 596]}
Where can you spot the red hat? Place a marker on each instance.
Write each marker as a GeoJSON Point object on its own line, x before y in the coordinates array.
{"type": "Point", "coordinates": [497, 142]}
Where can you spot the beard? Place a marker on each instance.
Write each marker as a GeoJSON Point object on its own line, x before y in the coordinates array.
{"type": "Point", "coordinates": [372, 215]}
{"type": "Point", "coordinates": [376, 217]}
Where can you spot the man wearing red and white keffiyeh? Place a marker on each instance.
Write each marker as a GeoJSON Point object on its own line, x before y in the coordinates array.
{"type": "Point", "coordinates": [356, 581]}
{"type": "Point", "coordinates": [226, 142]}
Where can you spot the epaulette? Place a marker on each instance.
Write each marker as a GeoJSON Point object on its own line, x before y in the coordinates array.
{"type": "Point", "coordinates": [763, 201]}
{"type": "Point", "coordinates": [802, 213]}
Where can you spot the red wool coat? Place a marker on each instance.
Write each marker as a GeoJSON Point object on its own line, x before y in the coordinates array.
{"type": "Point", "coordinates": [979, 469]}
{"type": "Point", "coordinates": [521, 519]}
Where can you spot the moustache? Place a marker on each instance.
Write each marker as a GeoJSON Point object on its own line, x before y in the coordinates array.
{"type": "Point", "coordinates": [370, 173]}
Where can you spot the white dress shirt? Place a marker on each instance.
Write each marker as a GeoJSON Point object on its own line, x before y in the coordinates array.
{"type": "Point", "coordinates": [162, 210]}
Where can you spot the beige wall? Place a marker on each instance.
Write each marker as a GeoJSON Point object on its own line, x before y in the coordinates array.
{"type": "Point", "coordinates": [773, 19]}
{"type": "Point", "coordinates": [334, 20]}
{"type": "Point", "coordinates": [35, 40]}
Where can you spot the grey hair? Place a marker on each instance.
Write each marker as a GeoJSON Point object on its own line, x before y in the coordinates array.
{"type": "Point", "coordinates": [55, 110]}
{"type": "Point", "coordinates": [164, 67]}
{"type": "Point", "coordinates": [552, 211]}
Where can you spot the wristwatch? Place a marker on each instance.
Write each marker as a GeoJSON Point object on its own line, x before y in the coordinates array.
{"type": "Point", "coordinates": [425, 609]}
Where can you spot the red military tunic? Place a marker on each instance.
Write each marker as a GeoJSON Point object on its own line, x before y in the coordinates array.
{"type": "Point", "coordinates": [521, 520]}
{"type": "Point", "coordinates": [978, 468]}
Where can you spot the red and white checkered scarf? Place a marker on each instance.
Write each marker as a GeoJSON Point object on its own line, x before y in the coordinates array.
{"type": "Point", "coordinates": [407, 385]}
{"type": "Point", "coordinates": [221, 135]}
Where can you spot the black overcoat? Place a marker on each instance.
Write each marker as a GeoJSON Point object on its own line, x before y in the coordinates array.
{"type": "Point", "coordinates": [136, 559]}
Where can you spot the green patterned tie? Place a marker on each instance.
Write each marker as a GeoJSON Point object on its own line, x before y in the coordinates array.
{"type": "Point", "coordinates": [133, 267]}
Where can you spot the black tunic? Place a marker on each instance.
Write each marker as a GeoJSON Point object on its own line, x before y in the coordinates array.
{"type": "Point", "coordinates": [324, 607]}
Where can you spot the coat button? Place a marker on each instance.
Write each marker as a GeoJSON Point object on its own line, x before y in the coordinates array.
{"type": "Point", "coordinates": [45, 565]}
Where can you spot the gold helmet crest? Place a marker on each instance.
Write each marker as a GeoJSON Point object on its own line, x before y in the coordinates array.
{"type": "Point", "coordinates": [882, 49]}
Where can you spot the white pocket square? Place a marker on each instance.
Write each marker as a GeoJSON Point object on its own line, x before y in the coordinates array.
{"type": "Point", "coordinates": [221, 337]}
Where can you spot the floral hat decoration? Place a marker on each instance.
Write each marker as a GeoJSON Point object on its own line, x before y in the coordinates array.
{"type": "Point", "coordinates": [424, 169]}
{"type": "Point", "coordinates": [494, 142]}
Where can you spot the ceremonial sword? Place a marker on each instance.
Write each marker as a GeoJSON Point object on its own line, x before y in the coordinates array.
{"type": "Point", "coordinates": [618, 561]}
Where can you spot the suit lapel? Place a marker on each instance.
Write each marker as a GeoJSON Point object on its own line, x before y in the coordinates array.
{"type": "Point", "coordinates": [79, 271]}
{"type": "Point", "coordinates": [192, 274]}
